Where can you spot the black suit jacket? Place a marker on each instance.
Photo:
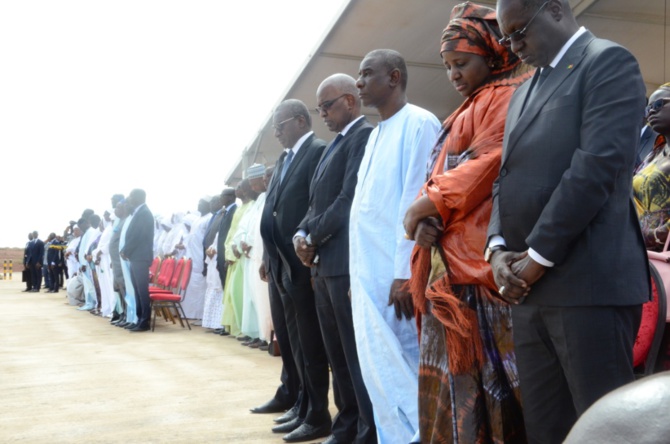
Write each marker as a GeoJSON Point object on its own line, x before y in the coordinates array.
{"type": "Point", "coordinates": [286, 204]}
{"type": "Point", "coordinates": [565, 180]}
{"type": "Point", "coordinates": [330, 196]}
{"type": "Point", "coordinates": [224, 227]}
{"type": "Point", "coordinates": [36, 253]}
{"type": "Point", "coordinates": [139, 244]}
{"type": "Point", "coordinates": [55, 253]}
{"type": "Point", "coordinates": [27, 252]}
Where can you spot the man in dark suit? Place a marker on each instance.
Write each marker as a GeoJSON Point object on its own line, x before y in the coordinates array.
{"type": "Point", "coordinates": [228, 209]}
{"type": "Point", "coordinates": [286, 205]}
{"type": "Point", "coordinates": [54, 261]}
{"type": "Point", "coordinates": [138, 249]}
{"type": "Point", "coordinates": [27, 275]}
{"type": "Point", "coordinates": [324, 231]}
{"type": "Point", "coordinates": [564, 241]}
{"type": "Point", "coordinates": [34, 261]}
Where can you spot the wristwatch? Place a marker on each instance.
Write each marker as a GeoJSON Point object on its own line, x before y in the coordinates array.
{"type": "Point", "coordinates": [490, 250]}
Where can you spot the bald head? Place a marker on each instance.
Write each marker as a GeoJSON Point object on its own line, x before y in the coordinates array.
{"type": "Point", "coordinates": [391, 60]}
{"type": "Point", "coordinates": [548, 26]}
{"type": "Point", "coordinates": [296, 108]}
{"type": "Point", "coordinates": [342, 83]}
{"type": "Point", "coordinates": [291, 121]}
{"type": "Point", "coordinates": [136, 198]}
{"type": "Point", "coordinates": [338, 101]}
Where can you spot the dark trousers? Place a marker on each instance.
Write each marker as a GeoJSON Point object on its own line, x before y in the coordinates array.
{"type": "Point", "coordinates": [354, 422]}
{"type": "Point", "coordinates": [36, 276]}
{"type": "Point", "coordinates": [54, 272]}
{"type": "Point", "coordinates": [288, 392]}
{"type": "Point", "coordinates": [304, 333]}
{"type": "Point", "coordinates": [569, 357]}
{"type": "Point", "coordinates": [139, 273]}
{"type": "Point", "coordinates": [26, 277]}
{"type": "Point", "coordinates": [120, 289]}
{"type": "Point", "coordinates": [47, 277]}
{"type": "Point", "coordinates": [222, 269]}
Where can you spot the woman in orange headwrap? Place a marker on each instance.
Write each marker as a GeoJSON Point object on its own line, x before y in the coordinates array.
{"type": "Point", "coordinates": [468, 383]}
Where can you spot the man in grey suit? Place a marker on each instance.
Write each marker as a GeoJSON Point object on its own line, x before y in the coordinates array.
{"type": "Point", "coordinates": [138, 249]}
{"type": "Point", "coordinates": [324, 231]}
{"type": "Point", "coordinates": [564, 241]}
{"type": "Point", "coordinates": [285, 206]}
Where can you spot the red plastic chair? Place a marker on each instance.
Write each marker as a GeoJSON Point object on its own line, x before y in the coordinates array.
{"type": "Point", "coordinates": [172, 283]}
{"type": "Point", "coordinates": [153, 270]}
{"type": "Point", "coordinates": [164, 275]}
{"type": "Point", "coordinates": [652, 327]}
{"type": "Point", "coordinates": [165, 301]}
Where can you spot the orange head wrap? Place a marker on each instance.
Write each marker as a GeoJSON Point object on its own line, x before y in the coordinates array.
{"type": "Point", "coordinates": [473, 29]}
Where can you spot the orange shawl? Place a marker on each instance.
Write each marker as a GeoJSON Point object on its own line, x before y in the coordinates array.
{"type": "Point", "coordinates": [463, 198]}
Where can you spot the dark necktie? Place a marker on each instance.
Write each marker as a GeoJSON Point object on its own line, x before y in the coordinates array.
{"type": "Point", "coordinates": [543, 76]}
{"type": "Point", "coordinates": [544, 73]}
{"type": "Point", "coordinates": [287, 162]}
{"type": "Point", "coordinates": [329, 151]}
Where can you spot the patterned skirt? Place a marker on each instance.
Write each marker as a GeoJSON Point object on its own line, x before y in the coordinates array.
{"type": "Point", "coordinates": [483, 404]}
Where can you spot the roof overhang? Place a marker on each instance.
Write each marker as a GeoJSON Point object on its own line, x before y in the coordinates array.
{"type": "Point", "coordinates": [414, 28]}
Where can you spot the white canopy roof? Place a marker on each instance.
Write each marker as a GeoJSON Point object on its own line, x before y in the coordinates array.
{"type": "Point", "coordinates": [414, 29]}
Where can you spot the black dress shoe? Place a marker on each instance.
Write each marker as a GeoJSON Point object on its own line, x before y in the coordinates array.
{"type": "Point", "coordinates": [288, 416]}
{"type": "Point", "coordinates": [257, 343]}
{"type": "Point", "coordinates": [308, 432]}
{"type": "Point", "coordinates": [330, 440]}
{"type": "Point", "coordinates": [272, 406]}
{"type": "Point", "coordinates": [140, 328]}
{"type": "Point", "coordinates": [290, 426]}
{"type": "Point", "coordinates": [224, 333]}
{"type": "Point", "coordinates": [130, 326]}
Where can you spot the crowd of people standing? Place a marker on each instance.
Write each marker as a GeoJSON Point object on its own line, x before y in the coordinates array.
{"type": "Point", "coordinates": [479, 280]}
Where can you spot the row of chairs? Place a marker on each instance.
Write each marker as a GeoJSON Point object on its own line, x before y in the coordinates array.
{"type": "Point", "coordinates": [169, 279]}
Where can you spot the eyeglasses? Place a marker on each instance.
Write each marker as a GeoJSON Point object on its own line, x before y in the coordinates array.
{"type": "Point", "coordinates": [280, 126]}
{"type": "Point", "coordinates": [520, 34]}
{"type": "Point", "coordinates": [655, 106]}
{"type": "Point", "coordinates": [325, 106]}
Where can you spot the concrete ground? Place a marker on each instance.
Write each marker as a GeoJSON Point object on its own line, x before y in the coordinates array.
{"type": "Point", "coordinates": [67, 376]}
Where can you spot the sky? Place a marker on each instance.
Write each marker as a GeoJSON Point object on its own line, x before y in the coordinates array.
{"type": "Point", "coordinates": [98, 98]}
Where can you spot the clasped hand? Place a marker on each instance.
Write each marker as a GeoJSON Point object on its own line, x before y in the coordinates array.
{"type": "Point", "coordinates": [514, 273]}
{"type": "Point", "coordinates": [304, 252]}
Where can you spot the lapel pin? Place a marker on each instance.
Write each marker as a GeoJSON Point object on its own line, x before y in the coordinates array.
{"type": "Point", "coordinates": [570, 66]}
